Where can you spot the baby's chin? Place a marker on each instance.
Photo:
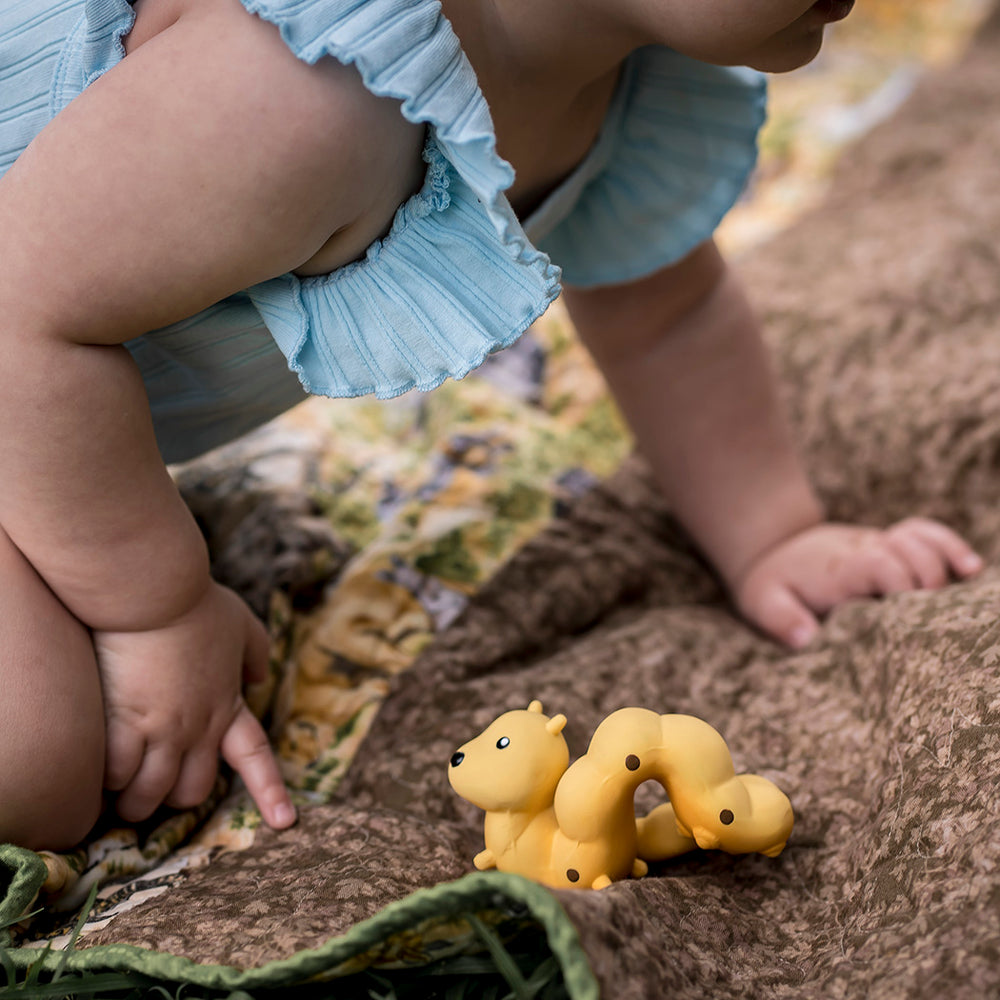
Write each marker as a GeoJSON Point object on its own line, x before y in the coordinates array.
{"type": "Point", "coordinates": [786, 57]}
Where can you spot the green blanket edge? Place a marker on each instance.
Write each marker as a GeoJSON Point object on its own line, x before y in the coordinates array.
{"type": "Point", "coordinates": [22, 873]}
{"type": "Point", "coordinates": [470, 894]}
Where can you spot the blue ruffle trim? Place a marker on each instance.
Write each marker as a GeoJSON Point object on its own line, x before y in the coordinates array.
{"type": "Point", "coordinates": [455, 278]}
{"type": "Point", "coordinates": [429, 301]}
{"type": "Point", "coordinates": [91, 49]}
{"type": "Point", "coordinates": [676, 151]}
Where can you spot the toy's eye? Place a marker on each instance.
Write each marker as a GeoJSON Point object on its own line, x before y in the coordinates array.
{"type": "Point", "coordinates": [503, 742]}
{"type": "Point", "coordinates": [726, 817]}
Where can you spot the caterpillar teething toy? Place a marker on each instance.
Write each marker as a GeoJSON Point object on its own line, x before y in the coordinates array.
{"type": "Point", "coordinates": [575, 827]}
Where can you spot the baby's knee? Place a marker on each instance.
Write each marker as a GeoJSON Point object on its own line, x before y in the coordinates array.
{"type": "Point", "coordinates": [51, 742]}
{"type": "Point", "coordinates": [51, 714]}
{"type": "Point", "coordinates": [51, 782]}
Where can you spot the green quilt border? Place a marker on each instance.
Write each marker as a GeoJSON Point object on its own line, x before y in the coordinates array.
{"type": "Point", "coordinates": [470, 894]}
{"type": "Point", "coordinates": [22, 873]}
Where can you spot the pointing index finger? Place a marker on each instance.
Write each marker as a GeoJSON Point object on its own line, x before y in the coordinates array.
{"type": "Point", "coordinates": [246, 749]}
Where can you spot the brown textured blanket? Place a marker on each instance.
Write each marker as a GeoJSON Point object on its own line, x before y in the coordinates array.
{"type": "Point", "coordinates": [884, 307]}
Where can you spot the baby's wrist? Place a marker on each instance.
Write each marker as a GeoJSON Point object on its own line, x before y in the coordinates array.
{"type": "Point", "coordinates": [147, 587]}
{"type": "Point", "coordinates": [797, 514]}
{"type": "Point", "coordinates": [176, 614]}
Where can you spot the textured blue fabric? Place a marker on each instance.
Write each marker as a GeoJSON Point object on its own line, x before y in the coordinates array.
{"type": "Point", "coordinates": [676, 150]}
{"type": "Point", "coordinates": [456, 277]}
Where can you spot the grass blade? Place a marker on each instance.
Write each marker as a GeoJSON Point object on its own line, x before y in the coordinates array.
{"type": "Point", "coordinates": [84, 913]}
{"type": "Point", "coordinates": [8, 967]}
{"type": "Point", "coordinates": [84, 986]}
{"type": "Point", "coordinates": [506, 965]}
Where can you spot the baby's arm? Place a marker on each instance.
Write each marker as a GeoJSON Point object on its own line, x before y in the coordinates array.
{"type": "Point", "coordinates": [205, 162]}
{"type": "Point", "coordinates": [682, 353]}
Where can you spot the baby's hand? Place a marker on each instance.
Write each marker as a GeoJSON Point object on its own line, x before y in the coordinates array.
{"type": "Point", "coordinates": [812, 572]}
{"type": "Point", "coordinates": [173, 702]}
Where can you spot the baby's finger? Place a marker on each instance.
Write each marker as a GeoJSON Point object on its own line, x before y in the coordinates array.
{"type": "Point", "coordinates": [196, 777]}
{"type": "Point", "coordinates": [124, 748]}
{"type": "Point", "coordinates": [246, 749]}
{"type": "Point", "coordinates": [960, 556]}
{"type": "Point", "coordinates": [887, 573]}
{"type": "Point", "coordinates": [778, 611]}
{"type": "Point", "coordinates": [155, 777]}
{"type": "Point", "coordinates": [925, 562]}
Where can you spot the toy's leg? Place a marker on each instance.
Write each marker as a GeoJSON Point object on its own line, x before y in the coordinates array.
{"type": "Point", "coordinates": [485, 860]}
{"type": "Point", "coordinates": [659, 837]}
{"type": "Point", "coordinates": [51, 719]}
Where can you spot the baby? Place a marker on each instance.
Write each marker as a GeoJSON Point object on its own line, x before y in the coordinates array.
{"type": "Point", "coordinates": [201, 197]}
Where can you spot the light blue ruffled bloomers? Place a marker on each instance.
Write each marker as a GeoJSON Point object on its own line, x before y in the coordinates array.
{"type": "Point", "coordinates": [457, 276]}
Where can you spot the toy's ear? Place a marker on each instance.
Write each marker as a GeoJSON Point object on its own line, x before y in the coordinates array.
{"type": "Point", "coordinates": [535, 706]}
{"type": "Point", "coordinates": [555, 724]}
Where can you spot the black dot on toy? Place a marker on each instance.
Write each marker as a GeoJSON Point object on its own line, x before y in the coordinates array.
{"type": "Point", "coordinates": [726, 817]}
{"type": "Point", "coordinates": [456, 758]}
{"type": "Point", "coordinates": [503, 742]}
{"type": "Point", "coordinates": [632, 762]}
{"type": "Point", "coordinates": [572, 874]}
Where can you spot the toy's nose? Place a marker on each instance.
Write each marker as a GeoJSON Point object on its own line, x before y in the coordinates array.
{"type": "Point", "coordinates": [456, 758]}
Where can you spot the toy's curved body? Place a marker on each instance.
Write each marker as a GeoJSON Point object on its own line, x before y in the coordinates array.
{"type": "Point", "coordinates": [535, 845]}
{"type": "Point", "coordinates": [575, 827]}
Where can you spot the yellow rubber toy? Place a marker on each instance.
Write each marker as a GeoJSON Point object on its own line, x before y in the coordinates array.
{"type": "Point", "coordinates": [575, 826]}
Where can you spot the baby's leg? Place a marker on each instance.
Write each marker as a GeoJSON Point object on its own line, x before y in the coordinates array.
{"type": "Point", "coordinates": [51, 719]}
{"type": "Point", "coordinates": [207, 160]}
